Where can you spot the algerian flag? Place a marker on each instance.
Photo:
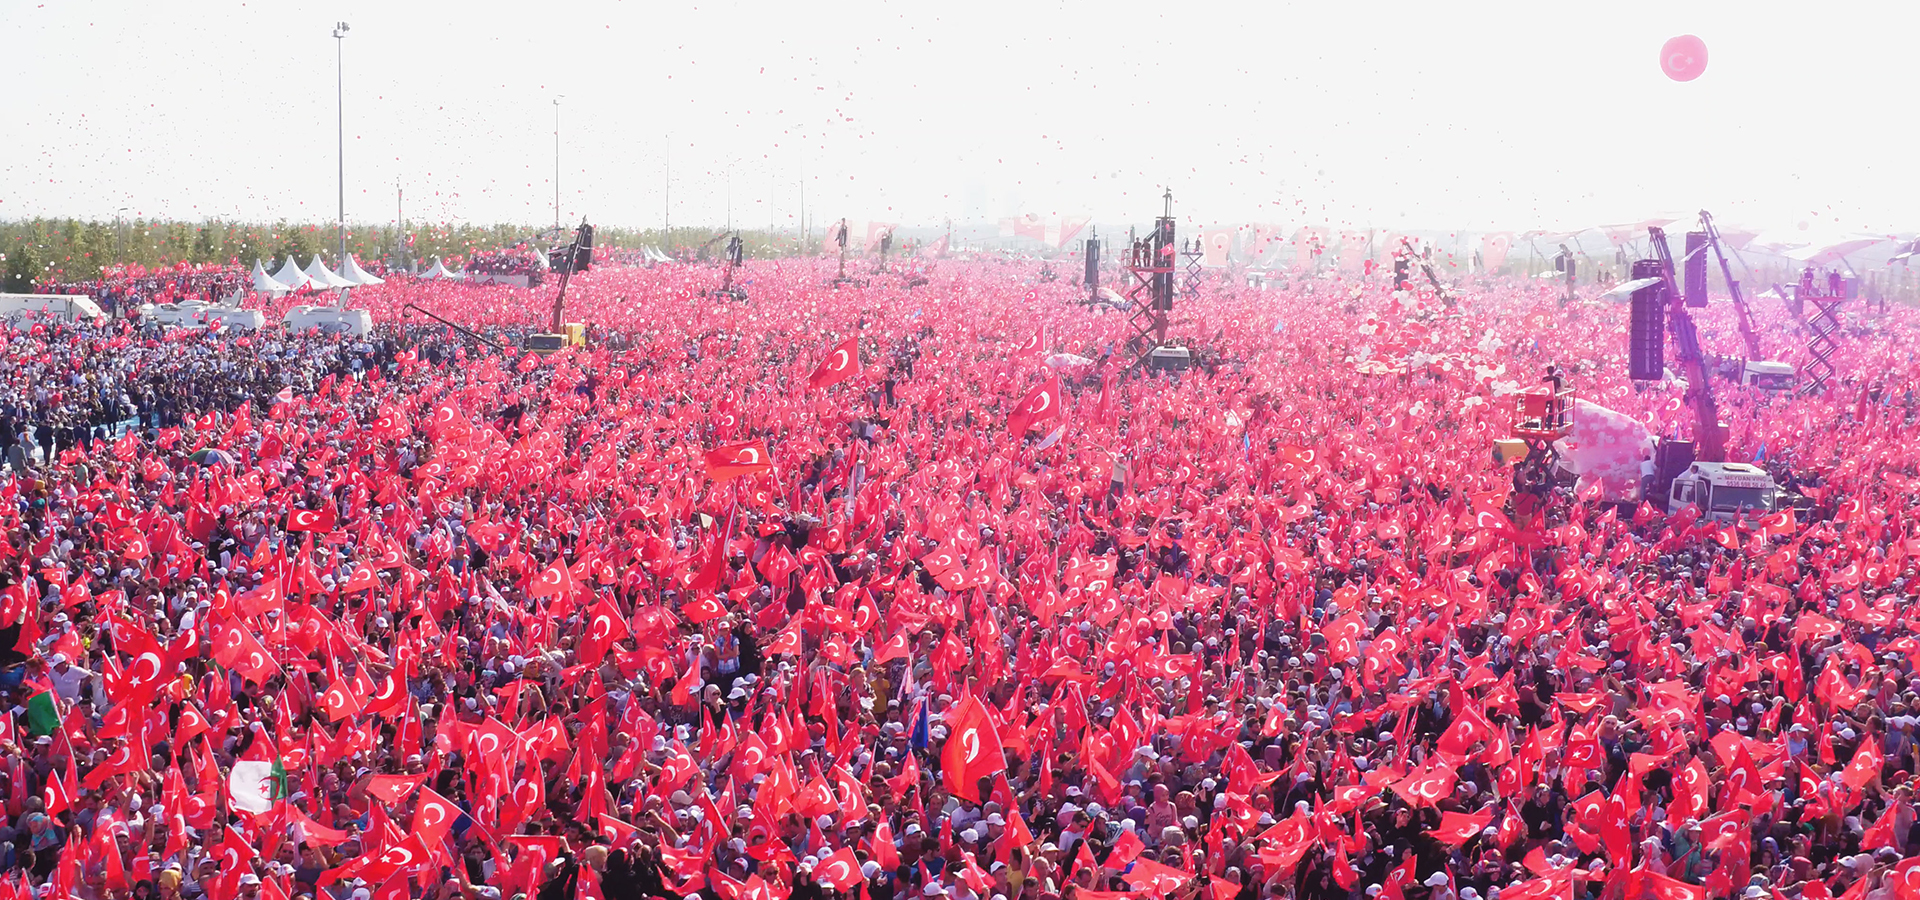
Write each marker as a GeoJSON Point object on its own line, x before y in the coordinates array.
{"type": "Point", "coordinates": [43, 717]}
{"type": "Point", "coordinates": [254, 784]}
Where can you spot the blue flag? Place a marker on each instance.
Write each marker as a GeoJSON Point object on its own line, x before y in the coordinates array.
{"type": "Point", "coordinates": [919, 738]}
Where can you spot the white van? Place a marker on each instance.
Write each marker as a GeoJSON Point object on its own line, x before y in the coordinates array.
{"type": "Point", "coordinates": [330, 319]}
{"type": "Point", "coordinates": [64, 307]}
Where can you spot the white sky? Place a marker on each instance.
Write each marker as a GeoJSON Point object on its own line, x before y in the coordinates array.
{"type": "Point", "coordinates": [1410, 115]}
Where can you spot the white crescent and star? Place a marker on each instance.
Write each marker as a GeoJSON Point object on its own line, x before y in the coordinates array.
{"type": "Point", "coordinates": [135, 677]}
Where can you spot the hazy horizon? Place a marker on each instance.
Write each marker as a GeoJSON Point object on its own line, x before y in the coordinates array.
{"type": "Point", "coordinates": [1504, 116]}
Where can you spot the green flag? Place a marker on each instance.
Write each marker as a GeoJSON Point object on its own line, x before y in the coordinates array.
{"type": "Point", "coordinates": [43, 716]}
{"type": "Point", "coordinates": [254, 785]}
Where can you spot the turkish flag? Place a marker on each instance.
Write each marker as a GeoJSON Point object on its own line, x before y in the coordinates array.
{"type": "Point", "coordinates": [59, 797]}
{"type": "Point", "coordinates": [884, 852]}
{"type": "Point", "coordinates": [1456, 828]}
{"type": "Point", "coordinates": [617, 832]}
{"type": "Point", "coordinates": [972, 751]}
{"type": "Point", "coordinates": [1866, 765]}
{"type": "Point", "coordinates": [391, 789]}
{"type": "Point", "coordinates": [703, 610]}
{"type": "Point", "coordinates": [708, 576]}
{"type": "Point", "coordinates": [729, 461]}
{"type": "Point", "coordinates": [341, 701]}
{"type": "Point", "coordinates": [387, 698]}
{"type": "Point", "coordinates": [553, 580]}
{"type": "Point", "coordinates": [604, 627]}
{"type": "Point", "coordinates": [839, 871]}
{"type": "Point", "coordinates": [395, 887]}
{"type": "Point", "coordinates": [1039, 406]}
{"type": "Point", "coordinates": [842, 363]}
{"type": "Point", "coordinates": [433, 817]}
{"type": "Point", "coordinates": [310, 519]}
{"type": "Point", "coordinates": [1906, 878]}
{"type": "Point", "coordinates": [1427, 786]}
{"type": "Point", "coordinates": [1155, 877]}
{"type": "Point", "coordinates": [362, 579]}
{"type": "Point", "coordinates": [133, 545]}
{"type": "Point", "coordinates": [1659, 887]}
{"type": "Point", "coordinates": [1034, 345]}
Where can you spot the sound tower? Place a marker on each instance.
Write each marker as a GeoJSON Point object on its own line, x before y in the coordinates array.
{"type": "Point", "coordinates": [1163, 258]}
{"type": "Point", "coordinates": [1092, 278]}
{"type": "Point", "coordinates": [1647, 325]}
{"type": "Point", "coordinates": [1694, 279]}
{"type": "Point", "coordinates": [583, 248]}
{"type": "Point", "coordinates": [574, 257]}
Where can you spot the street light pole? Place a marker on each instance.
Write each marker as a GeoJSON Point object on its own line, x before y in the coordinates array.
{"type": "Point", "coordinates": [556, 162]}
{"type": "Point", "coordinates": [340, 100]}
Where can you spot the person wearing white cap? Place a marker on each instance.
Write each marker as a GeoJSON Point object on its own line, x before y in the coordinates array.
{"type": "Point", "coordinates": [66, 677]}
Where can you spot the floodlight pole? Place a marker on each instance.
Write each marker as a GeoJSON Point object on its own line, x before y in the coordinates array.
{"type": "Point", "coordinates": [556, 163]}
{"type": "Point", "coordinates": [340, 101]}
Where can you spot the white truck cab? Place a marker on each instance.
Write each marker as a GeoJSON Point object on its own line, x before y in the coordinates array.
{"type": "Point", "coordinates": [1724, 491]}
{"type": "Point", "coordinates": [330, 319]}
{"type": "Point", "coordinates": [1769, 375]}
{"type": "Point", "coordinates": [199, 314]}
{"type": "Point", "coordinates": [63, 307]}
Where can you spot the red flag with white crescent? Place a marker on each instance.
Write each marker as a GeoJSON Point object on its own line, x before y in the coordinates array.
{"type": "Point", "coordinates": [554, 580]}
{"type": "Point", "coordinates": [310, 519]}
{"type": "Point", "coordinates": [972, 750]}
{"type": "Point", "coordinates": [842, 363]}
{"type": "Point", "coordinates": [433, 817]}
{"type": "Point", "coordinates": [1041, 404]}
{"type": "Point", "coordinates": [1034, 345]}
{"type": "Point", "coordinates": [729, 461]}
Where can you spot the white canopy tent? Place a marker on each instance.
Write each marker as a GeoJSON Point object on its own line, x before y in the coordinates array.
{"type": "Point", "coordinates": [291, 277]}
{"type": "Point", "coordinates": [265, 283]}
{"type": "Point", "coordinates": [1624, 291]}
{"type": "Point", "coordinates": [323, 277]}
{"type": "Point", "coordinates": [440, 271]}
{"type": "Point", "coordinates": [352, 272]}
{"type": "Point", "coordinates": [1824, 254]}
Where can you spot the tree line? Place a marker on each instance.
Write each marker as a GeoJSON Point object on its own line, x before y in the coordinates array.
{"type": "Point", "coordinates": [69, 250]}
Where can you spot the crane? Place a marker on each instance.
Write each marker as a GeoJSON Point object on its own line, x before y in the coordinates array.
{"type": "Point", "coordinates": [735, 255]}
{"type": "Point", "coordinates": [701, 253]}
{"type": "Point", "coordinates": [1747, 334]}
{"type": "Point", "coordinates": [1756, 370]}
{"type": "Point", "coordinates": [1681, 473]}
{"type": "Point", "coordinates": [1698, 473]}
{"type": "Point", "coordinates": [1710, 436]}
{"type": "Point", "coordinates": [576, 256]}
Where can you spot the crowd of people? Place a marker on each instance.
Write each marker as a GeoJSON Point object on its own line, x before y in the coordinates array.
{"type": "Point", "coordinates": [709, 608]}
{"type": "Point", "coordinates": [120, 292]}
